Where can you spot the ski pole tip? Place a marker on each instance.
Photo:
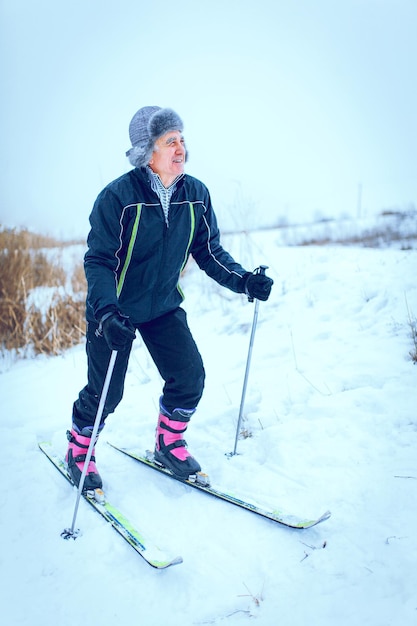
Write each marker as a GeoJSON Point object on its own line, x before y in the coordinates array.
{"type": "Point", "coordinates": [68, 533]}
{"type": "Point", "coordinates": [229, 455]}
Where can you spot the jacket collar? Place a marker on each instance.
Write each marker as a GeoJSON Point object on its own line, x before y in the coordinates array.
{"type": "Point", "coordinates": [144, 176]}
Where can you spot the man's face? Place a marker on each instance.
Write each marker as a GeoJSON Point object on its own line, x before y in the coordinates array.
{"type": "Point", "coordinates": [168, 158]}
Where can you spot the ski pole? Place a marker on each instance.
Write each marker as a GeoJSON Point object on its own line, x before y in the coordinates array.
{"type": "Point", "coordinates": [71, 532]}
{"type": "Point", "coordinates": [261, 270]}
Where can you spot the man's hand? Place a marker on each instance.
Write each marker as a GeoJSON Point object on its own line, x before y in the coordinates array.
{"type": "Point", "coordinates": [118, 330]}
{"type": "Point", "coordinates": [258, 286]}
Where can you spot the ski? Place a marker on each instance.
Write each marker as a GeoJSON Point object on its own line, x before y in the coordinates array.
{"type": "Point", "coordinates": [201, 483]}
{"type": "Point", "coordinates": [153, 555]}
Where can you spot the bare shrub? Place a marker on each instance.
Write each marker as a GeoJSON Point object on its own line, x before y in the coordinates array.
{"type": "Point", "coordinates": [15, 280]}
{"type": "Point", "coordinates": [46, 272]}
{"type": "Point", "coordinates": [412, 322]}
{"type": "Point", "coordinates": [60, 327]}
{"type": "Point", "coordinates": [29, 240]}
{"type": "Point", "coordinates": [78, 279]}
{"type": "Point", "coordinates": [25, 267]}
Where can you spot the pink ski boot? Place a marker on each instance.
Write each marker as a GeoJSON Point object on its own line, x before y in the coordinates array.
{"type": "Point", "coordinates": [170, 448]}
{"type": "Point", "coordinates": [75, 457]}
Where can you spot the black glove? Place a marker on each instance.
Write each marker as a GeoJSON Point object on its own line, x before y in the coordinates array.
{"type": "Point", "coordinates": [258, 286]}
{"type": "Point", "coordinates": [117, 329]}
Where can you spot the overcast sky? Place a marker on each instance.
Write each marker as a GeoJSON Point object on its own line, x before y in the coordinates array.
{"type": "Point", "coordinates": [290, 108]}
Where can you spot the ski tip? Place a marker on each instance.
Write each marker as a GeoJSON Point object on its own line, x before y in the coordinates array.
{"type": "Point", "coordinates": [158, 564]}
{"type": "Point", "coordinates": [319, 520]}
{"type": "Point", "coordinates": [177, 561]}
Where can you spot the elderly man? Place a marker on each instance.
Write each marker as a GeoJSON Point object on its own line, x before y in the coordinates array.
{"type": "Point", "coordinates": [144, 226]}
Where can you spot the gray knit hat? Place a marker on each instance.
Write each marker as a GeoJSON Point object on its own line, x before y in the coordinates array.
{"type": "Point", "coordinates": [147, 125]}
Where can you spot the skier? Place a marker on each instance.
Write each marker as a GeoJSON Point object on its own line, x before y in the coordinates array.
{"type": "Point", "coordinates": [144, 227]}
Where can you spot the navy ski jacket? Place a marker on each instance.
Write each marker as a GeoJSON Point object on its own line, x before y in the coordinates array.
{"type": "Point", "coordinates": [135, 258]}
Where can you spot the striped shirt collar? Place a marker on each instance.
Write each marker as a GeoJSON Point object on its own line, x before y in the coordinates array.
{"type": "Point", "coordinates": [164, 193]}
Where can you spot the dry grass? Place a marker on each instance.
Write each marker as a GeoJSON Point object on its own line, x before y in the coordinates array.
{"type": "Point", "coordinates": [62, 326]}
{"type": "Point", "coordinates": [26, 266]}
{"type": "Point", "coordinates": [412, 321]}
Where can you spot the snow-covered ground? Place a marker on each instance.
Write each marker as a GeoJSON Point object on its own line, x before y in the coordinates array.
{"type": "Point", "coordinates": [331, 414]}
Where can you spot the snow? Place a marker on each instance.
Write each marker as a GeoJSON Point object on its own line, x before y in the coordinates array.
{"type": "Point", "coordinates": [330, 410]}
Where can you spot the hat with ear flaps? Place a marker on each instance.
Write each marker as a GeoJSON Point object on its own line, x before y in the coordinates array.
{"type": "Point", "coordinates": [147, 125]}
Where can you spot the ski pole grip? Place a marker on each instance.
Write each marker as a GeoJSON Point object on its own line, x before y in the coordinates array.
{"type": "Point", "coordinates": [259, 270]}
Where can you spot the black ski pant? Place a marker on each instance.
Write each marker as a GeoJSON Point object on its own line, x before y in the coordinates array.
{"type": "Point", "coordinates": [174, 352]}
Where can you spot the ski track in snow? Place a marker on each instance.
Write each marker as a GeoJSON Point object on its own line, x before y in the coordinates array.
{"type": "Point", "coordinates": [330, 410]}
